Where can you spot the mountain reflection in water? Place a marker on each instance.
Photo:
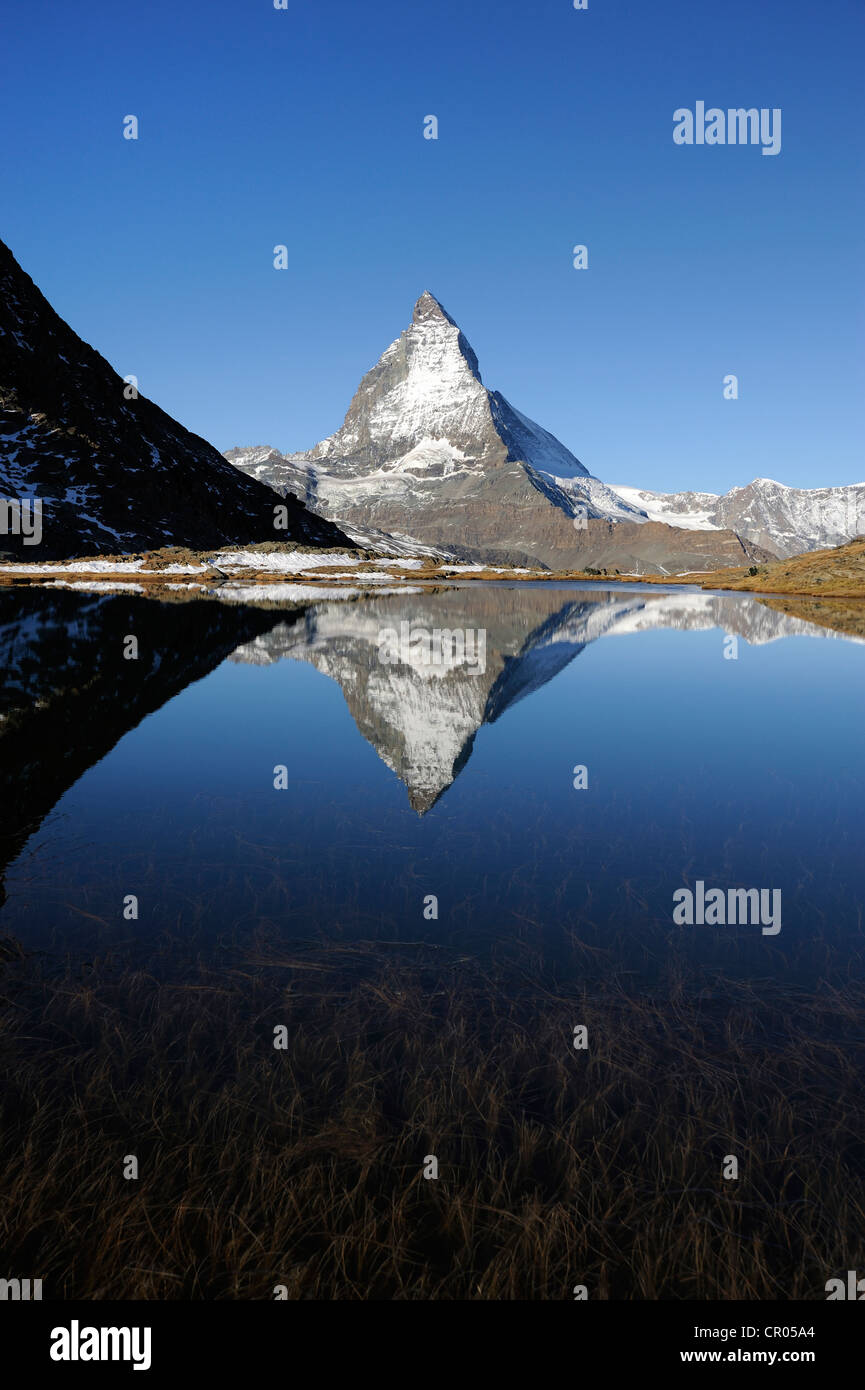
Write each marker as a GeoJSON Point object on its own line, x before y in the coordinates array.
{"type": "Point", "coordinates": [281, 866]}
{"type": "Point", "coordinates": [422, 721]}
{"type": "Point", "coordinates": [69, 696]}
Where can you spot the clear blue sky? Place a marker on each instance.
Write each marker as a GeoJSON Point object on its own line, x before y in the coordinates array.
{"type": "Point", "coordinates": [304, 127]}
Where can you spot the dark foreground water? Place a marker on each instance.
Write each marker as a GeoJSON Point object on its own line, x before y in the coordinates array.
{"type": "Point", "coordinates": [287, 789]}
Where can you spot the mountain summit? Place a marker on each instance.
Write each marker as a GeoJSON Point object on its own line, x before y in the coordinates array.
{"type": "Point", "coordinates": [428, 454]}
{"type": "Point", "coordinates": [428, 307]}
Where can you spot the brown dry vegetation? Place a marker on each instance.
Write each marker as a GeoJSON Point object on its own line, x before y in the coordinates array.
{"type": "Point", "coordinates": [835, 573]}
{"type": "Point", "coordinates": [303, 1167]}
{"type": "Point", "coordinates": [839, 614]}
{"type": "Point", "coordinates": [838, 573]}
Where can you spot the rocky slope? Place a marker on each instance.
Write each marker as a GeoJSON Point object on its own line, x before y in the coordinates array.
{"type": "Point", "coordinates": [785, 520]}
{"type": "Point", "coordinates": [835, 573]}
{"type": "Point", "coordinates": [426, 451]}
{"type": "Point", "coordinates": [111, 473]}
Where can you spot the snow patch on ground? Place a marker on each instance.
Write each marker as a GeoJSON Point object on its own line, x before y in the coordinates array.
{"type": "Point", "coordinates": [294, 562]}
{"type": "Point", "coordinates": [98, 567]}
{"type": "Point", "coordinates": [487, 569]}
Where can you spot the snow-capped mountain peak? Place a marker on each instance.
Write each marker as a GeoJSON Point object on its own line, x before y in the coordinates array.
{"type": "Point", "coordinates": [428, 307]}
{"type": "Point", "coordinates": [427, 450]}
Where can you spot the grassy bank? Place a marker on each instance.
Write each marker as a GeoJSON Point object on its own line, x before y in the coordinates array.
{"type": "Point", "coordinates": [836, 573]}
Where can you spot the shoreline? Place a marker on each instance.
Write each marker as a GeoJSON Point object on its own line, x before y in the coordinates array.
{"type": "Point", "coordinates": [837, 574]}
{"type": "Point", "coordinates": [155, 581]}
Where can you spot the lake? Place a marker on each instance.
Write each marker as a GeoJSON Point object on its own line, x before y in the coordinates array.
{"type": "Point", "coordinates": [299, 896]}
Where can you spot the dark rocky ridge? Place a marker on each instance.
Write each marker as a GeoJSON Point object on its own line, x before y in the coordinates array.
{"type": "Point", "coordinates": [113, 474]}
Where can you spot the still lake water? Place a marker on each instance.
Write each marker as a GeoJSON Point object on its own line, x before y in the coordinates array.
{"type": "Point", "coordinates": [155, 777]}
{"type": "Point", "coordinates": [721, 741]}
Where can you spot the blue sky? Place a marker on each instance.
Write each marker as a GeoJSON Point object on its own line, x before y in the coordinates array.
{"type": "Point", "coordinates": [305, 127]}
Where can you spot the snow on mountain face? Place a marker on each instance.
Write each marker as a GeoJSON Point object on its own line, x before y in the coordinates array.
{"type": "Point", "coordinates": [425, 390]}
{"type": "Point", "coordinates": [784, 519]}
{"type": "Point", "coordinates": [427, 451]}
{"type": "Point", "coordinates": [691, 510]}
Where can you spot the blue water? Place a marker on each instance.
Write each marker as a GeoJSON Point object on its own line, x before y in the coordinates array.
{"type": "Point", "coordinates": [740, 772]}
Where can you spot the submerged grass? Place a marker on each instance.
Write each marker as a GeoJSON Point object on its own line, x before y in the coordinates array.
{"type": "Point", "coordinates": [303, 1167]}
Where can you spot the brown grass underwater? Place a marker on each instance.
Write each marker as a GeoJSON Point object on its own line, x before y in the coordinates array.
{"type": "Point", "coordinates": [303, 1167]}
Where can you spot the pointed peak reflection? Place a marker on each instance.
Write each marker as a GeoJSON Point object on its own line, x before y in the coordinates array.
{"type": "Point", "coordinates": [420, 708]}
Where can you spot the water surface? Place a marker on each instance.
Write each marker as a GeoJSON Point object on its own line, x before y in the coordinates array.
{"type": "Point", "coordinates": [387, 862]}
{"type": "Point", "coordinates": [738, 763]}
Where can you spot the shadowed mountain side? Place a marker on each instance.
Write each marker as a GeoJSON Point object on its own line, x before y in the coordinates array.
{"type": "Point", "coordinates": [69, 695]}
{"type": "Point", "coordinates": [421, 718]}
{"type": "Point", "coordinates": [112, 471]}
{"type": "Point", "coordinates": [540, 660]}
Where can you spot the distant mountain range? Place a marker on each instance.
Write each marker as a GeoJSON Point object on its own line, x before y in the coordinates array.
{"type": "Point", "coordinates": [428, 460]}
{"type": "Point", "coordinates": [426, 451]}
{"type": "Point", "coordinates": [112, 473]}
{"type": "Point", "coordinates": [787, 520]}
